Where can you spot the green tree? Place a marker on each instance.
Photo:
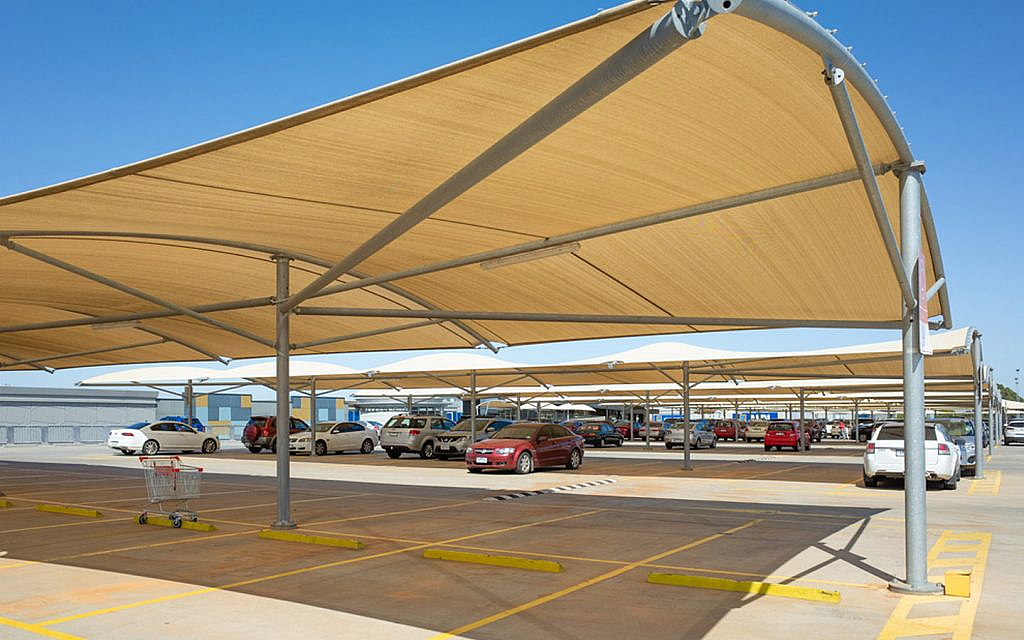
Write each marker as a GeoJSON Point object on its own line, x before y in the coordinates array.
{"type": "Point", "coordinates": [1008, 393]}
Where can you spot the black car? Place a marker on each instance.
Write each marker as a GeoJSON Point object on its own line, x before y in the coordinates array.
{"type": "Point", "coordinates": [599, 434]}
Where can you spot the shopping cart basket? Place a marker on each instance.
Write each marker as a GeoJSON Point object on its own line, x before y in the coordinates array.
{"type": "Point", "coordinates": [170, 482]}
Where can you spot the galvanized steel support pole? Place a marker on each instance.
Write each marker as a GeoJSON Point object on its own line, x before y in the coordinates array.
{"type": "Point", "coordinates": [979, 443]}
{"type": "Point", "coordinates": [312, 417]}
{"type": "Point", "coordinates": [915, 481]}
{"type": "Point", "coordinates": [538, 411]}
{"type": "Point", "coordinates": [472, 407]}
{"type": "Point", "coordinates": [282, 346]}
{"type": "Point", "coordinates": [519, 407]}
{"type": "Point", "coordinates": [800, 435]}
{"type": "Point", "coordinates": [687, 463]}
{"type": "Point", "coordinates": [991, 412]}
{"type": "Point", "coordinates": [408, 404]}
{"type": "Point", "coordinates": [188, 403]}
{"type": "Point", "coordinates": [647, 419]}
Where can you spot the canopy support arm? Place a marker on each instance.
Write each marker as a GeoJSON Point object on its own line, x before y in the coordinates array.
{"type": "Point", "coordinates": [365, 334]}
{"type": "Point", "coordinates": [835, 78]}
{"type": "Point", "coordinates": [593, 318]}
{"type": "Point", "coordinates": [684, 22]}
{"type": "Point", "coordinates": [32, 364]}
{"type": "Point", "coordinates": [132, 291]}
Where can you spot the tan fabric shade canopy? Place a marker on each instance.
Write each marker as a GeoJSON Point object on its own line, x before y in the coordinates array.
{"type": "Point", "coordinates": [714, 190]}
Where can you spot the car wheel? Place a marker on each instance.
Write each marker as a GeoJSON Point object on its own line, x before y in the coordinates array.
{"type": "Point", "coordinates": [273, 445]}
{"type": "Point", "coordinates": [150, 447]}
{"type": "Point", "coordinates": [367, 446]}
{"type": "Point", "coordinates": [950, 484]}
{"type": "Point", "coordinates": [427, 450]}
{"type": "Point", "coordinates": [524, 463]}
{"type": "Point", "coordinates": [393, 453]}
{"type": "Point", "coordinates": [714, 442]}
{"type": "Point", "coordinates": [209, 445]}
{"type": "Point", "coordinates": [869, 481]}
{"type": "Point", "coordinates": [599, 444]}
{"type": "Point", "coordinates": [575, 459]}
{"type": "Point", "coordinates": [321, 448]}
{"type": "Point", "coordinates": [619, 442]}
{"type": "Point", "coordinates": [474, 469]}
{"type": "Point", "coordinates": [808, 447]}
{"type": "Point", "coordinates": [127, 452]}
{"type": "Point", "coordinates": [668, 445]}
{"type": "Point", "coordinates": [767, 447]}
{"type": "Point", "coordinates": [255, 448]}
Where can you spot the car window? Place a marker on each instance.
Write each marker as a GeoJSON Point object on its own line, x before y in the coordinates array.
{"type": "Point", "coordinates": [549, 431]}
{"type": "Point", "coordinates": [356, 427]}
{"type": "Point", "coordinates": [895, 432]}
{"type": "Point", "coordinates": [340, 428]}
{"type": "Point", "coordinates": [184, 428]}
{"type": "Point", "coordinates": [160, 426]}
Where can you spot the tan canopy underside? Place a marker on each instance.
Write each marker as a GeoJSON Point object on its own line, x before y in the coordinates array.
{"type": "Point", "coordinates": [740, 109]}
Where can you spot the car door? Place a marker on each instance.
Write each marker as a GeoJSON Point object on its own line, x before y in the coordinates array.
{"type": "Point", "coordinates": [165, 435]}
{"type": "Point", "coordinates": [546, 446]}
{"type": "Point", "coordinates": [352, 436]}
{"type": "Point", "coordinates": [188, 438]}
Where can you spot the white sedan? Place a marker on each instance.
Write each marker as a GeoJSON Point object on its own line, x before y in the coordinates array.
{"type": "Point", "coordinates": [341, 436]}
{"type": "Point", "coordinates": [884, 455]}
{"type": "Point", "coordinates": [159, 436]}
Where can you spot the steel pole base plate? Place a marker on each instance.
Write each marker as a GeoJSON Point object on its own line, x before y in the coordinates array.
{"type": "Point", "coordinates": [283, 525]}
{"type": "Point", "coordinates": [899, 586]}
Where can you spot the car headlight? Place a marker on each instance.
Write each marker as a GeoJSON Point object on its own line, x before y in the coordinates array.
{"type": "Point", "coordinates": [504, 451]}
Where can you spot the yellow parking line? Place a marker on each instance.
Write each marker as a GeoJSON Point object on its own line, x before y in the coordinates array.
{"type": "Point", "coordinates": [501, 615]}
{"type": "Point", "coordinates": [989, 485]}
{"type": "Point", "coordinates": [902, 622]}
{"type": "Point", "coordinates": [38, 630]}
{"type": "Point", "coordinates": [285, 574]}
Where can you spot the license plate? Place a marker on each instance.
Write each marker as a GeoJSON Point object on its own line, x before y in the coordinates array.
{"type": "Point", "coordinates": [446, 448]}
{"type": "Point", "coordinates": [480, 460]}
{"type": "Point", "coordinates": [899, 453]}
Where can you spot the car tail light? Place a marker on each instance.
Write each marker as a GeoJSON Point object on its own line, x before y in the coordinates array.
{"type": "Point", "coordinates": [943, 449]}
{"type": "Point", "coordinates": [414, 432]}
{"type": "Point", "coordinates": [871, 447]}
{"type": "Point", "coordinates": [127, 433]}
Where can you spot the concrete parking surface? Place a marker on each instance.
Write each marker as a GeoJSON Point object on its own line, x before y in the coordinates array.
{"type": "Point", "coordinates": [774, 518]}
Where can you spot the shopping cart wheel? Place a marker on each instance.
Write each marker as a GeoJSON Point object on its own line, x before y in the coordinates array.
{"type": "Point", "coordinates": [194, 518]}
{"type": "Point", "coordinates": [176, 521]}
{"type": "Point", "coordinates": [143, 518]}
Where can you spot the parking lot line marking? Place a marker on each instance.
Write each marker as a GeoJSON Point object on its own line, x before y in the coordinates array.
{"type": "Point", "coordinates": [395, 513]}
{"type": "Point", "coordinates": [293, 572]}
{"type": "Point", "coordinates": [758, 588]}
{"type": "Point", "coordinates": [513, 562]}
{"type": "Point", "coordinates": [902, 623]}
{"type": "Point", "coordinates": [65, 524]}
{"type": "Point", "coordinates": [501, 615]}
{"type": "Point", "coordinates": [773, 473]}
{"type": "Point", "coordinates": [989, 485]}
{"type": "Point", "coordinates": [38, 630]}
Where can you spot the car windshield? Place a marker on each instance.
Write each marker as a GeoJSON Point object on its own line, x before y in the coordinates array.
{"type": "Point", "coordinates": [519, 432]}
{"type": "Point", "coordinates": [405, 422]}
{"type": "Point", "coordinates": [895, 432]}
{"type": "Point", "coordinates": [781, 426]}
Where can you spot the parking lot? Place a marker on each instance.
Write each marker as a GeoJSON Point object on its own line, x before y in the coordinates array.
{"type": "Point", "coordinates": [736, 516]}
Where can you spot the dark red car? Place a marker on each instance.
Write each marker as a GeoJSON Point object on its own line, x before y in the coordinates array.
{"type": "Point", "coordinates": [786, 433]}
{"type": "Point", "coordinates": [525, 446]}
{"type": "Point", "coordinates": [261, 432]}
{"type": "Point", "coordinates": [726, 429]}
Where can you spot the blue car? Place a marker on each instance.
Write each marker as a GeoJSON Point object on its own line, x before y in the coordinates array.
{"type": "Point", "coordinates": [196, 423]}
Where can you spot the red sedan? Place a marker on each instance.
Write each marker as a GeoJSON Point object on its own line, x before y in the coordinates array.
{"type": "Point", "coordinates": [727, 429]}
{"type": "Point", "coordinates": [786, 433]}
{"type": "Point", "coordinates": [522, 447]}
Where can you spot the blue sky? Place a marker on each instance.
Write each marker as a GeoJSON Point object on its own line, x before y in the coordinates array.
{"type": "Point", "coordinates": [89, 86]}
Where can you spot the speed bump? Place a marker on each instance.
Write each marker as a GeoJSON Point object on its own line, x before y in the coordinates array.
{"type": "Point", "coordinates": [496, 561]}
{"type": "Point", "coordinates": [185, 524]}
{"type": "Point", "coordinates": [760, 588]}
{"type": "Point", "coordinates": [288, 536]}
{"type": "Point", "coordinates": [71, 511]}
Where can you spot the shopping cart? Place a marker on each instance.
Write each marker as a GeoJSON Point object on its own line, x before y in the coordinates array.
{"type": "Point", "coordinates": [170, 481]}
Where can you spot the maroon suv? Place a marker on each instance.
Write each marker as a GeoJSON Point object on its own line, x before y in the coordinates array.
{"type": "Point", "coordinates": [261, 432]}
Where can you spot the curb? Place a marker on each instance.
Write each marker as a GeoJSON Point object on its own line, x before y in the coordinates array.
{"type": "Point", "coordinates": [529, 564]}
{"type": "Point", "coordinates": [286, 536]}
{"type": "Point", "coordinates": [71, 511]}
{"type": "Point", "coordinates": [760, 588]}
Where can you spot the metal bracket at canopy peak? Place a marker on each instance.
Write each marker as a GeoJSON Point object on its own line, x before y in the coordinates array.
{"type": "Point", "coordinates": [690, 16]}
{"type": "Point", "coordinates": [901, 167]}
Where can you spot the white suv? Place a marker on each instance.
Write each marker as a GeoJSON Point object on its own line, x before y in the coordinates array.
{"type": "Point", "coordinates": [883, 457]}
{"type": "Point", "coordinates": [1014, 432]}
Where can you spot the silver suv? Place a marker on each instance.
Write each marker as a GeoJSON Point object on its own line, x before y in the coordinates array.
{"type": "Point", "coordinates": [453, 444]}
{"type": "Point", "coordinates": [413, 434]}
{"type": "Point", "coordinates": [702, 434]}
